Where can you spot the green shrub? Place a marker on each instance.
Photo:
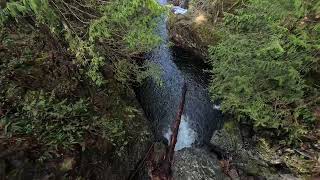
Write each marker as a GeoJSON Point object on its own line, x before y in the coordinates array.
{"type": "Point", "coordinates": [96, 33]}
{"type": "Point", "coordinates": [55, 123]}
{"type": "Point", "coordinates": [260, 66]}
{"type": "Point", "coordinates": [49, 72]}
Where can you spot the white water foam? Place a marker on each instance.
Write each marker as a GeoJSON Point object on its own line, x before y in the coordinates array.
{"type": "Point", "coordinates": [217, 107]}
{"type": "Point", "coordinates": [186, 135]}
{"type": "Point", "coordinates": [179, 10]}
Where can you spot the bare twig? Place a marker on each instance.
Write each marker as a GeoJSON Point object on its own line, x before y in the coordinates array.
{"type": "Point", "coordinates": [84, 12]}
{"type": "Point", "coordinates": [74, 14]}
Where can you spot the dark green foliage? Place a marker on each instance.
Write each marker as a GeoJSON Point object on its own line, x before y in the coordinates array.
{"type": "Point", "coordinates": [261, 65]}
{"type": "Point", "coordinates": [39, 8]}
{"type": "Point", "coordinates": [55, 123]}
{"type": "Point", "coordinates": [39, 95]}
{"type": "Point", "coordinates": [97, 33]}
{"type": "Point", "coordinates": [65, 72]}
{"type": "Point", "coordinates": [51, 64]}
{"type": "Point", "coordinates": [129, 24]}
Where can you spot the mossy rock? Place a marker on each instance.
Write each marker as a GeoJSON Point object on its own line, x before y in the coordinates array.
{"type": "Point", "coordinates": [192, 31]}
{"type": "Point", "coordinates": [195, 164]}
{"type": "Point", "coordinates": [245, 157]}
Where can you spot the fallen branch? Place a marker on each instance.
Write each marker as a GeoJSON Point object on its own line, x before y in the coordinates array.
{"type": "Point", "coordinates": [159, 157]}
{"type": "Point", "coordinates": [175, 128]}
{"type": "Point", "coordinates": [161, 161]}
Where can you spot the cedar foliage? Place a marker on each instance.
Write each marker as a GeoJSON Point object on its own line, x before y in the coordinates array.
{"type": "Point", "coordinates": [265, 66]}
{"type": "Point", "coordinates": [52, 55]}
{"type": "Point", "coordinates": [97, 33]}
{"type": "Point", "coordinates": [43, 95]}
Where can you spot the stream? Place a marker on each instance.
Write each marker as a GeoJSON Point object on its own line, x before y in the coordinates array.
{"type": "Point", "coordinates": [160, 103]}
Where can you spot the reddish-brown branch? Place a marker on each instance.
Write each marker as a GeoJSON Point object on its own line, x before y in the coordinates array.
{"type": "Point", "coordinates": [176, 125]}
{"type": "Point", "coordinates": [161, 170]}
{"type": "Point", "coordinates": [160, 157]}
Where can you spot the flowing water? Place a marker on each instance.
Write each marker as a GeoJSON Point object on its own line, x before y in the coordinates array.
{"type": "Point", "coordinates": [160, 103]}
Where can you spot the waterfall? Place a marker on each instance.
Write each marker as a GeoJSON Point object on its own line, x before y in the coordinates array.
{"type": "Point", "coordinates": [160, 103]}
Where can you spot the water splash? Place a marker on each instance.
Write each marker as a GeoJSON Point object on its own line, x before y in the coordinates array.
{"type": "Point", "coordinates": [186, 135]}
{"type": "Point", "coordinates": [179, 10]}
{"type": "Point", "coordinates": [217, 107]}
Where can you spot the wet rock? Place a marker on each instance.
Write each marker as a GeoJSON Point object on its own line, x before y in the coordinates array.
{"type": "Point", "coordinates": [191, 31]}
{"type": "Point", "coordinates": [195, 30]}
{"type": "Point", "coordinates": [185, 4]}
{"type": "Point", "coordinates": [196, 164]}
{"type": "Point", "coordinates": [226, 141]}
{"type": "Point", "coordinates": [246, 158]}
{"type": "Point", "coordinates": [231, 145]}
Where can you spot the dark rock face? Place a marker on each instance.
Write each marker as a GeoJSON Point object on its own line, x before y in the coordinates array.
{"type": "Point", "coordinates": [196, 164]}
{"type": "Point", "coordinates": [97, 164]}
{"type": "Point", "coordinates": [196, 30]}
{"type": "Point", "coordinates": [191, 31]}
{"type": "Point", "coordinates": [182, 3]}
{"type": "Point", "coordinates": [246, 158]}
{"type": "Point", "coordinates": [231, 144]}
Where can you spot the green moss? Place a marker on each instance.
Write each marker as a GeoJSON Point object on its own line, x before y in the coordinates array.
{"type": "Point", "coordinates": [231, 126]}
{"type": "Point", "coordinates": [192, 32]}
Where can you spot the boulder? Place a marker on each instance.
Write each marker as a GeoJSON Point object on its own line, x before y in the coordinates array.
{"type": "Point", "coordinates": [196, 164]}
{"type": "Point", "coordinates": [195, 30]}
{"type": "Point", "coordinates": [242, 154]}
{"type": "Point", "coordinates": [192, 31]}
{"type": "Point", "coordinates": [232, 147]}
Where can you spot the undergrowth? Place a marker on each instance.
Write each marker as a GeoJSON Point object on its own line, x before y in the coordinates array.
{"type": "Point", "coordinates": [266, 69]}
{"type": "Point", "coordinates": [66, 68]}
